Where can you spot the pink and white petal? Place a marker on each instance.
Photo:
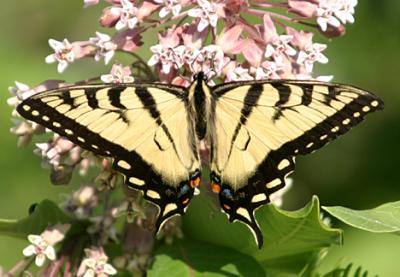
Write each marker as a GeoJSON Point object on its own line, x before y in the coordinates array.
{"type": "Point", "coordinates": [269, 28]}
{"type": "Point", "coordinates": [108, 56]}
{"type": "Point", "coordinates": [230, 38]}
{"type": "Point", "coordinates": [50, 253]}
{"type": "Point", "coordinates": [333, 21]}
{"type": "Point", "coordinates": [89, 273]}
{"type": "Point", "coordinates": [107, 78]}
{"type": "Point", "coordinates": [62, 65]}
{"type": "Point", "coordinates": [55, 44]}
{"type": "Point", "coordinates": [50, 59]}
{"type": "Point", "coordinates": [40, 259]}
{"type": "Point", "coordinates": [213, 19]}
{"type": "Point", "coordinates": [166, 68]}
{"type": "Point", "coordinates": [120, 25]}
{"type": "Point", "coordinates": [132, 22]}
{"type": "Point", "coordinates": [269, 51]}
{"type": "Point", "coordinates": [342, 15]}
{"type": "Point", "coordinates": [286, 38]}
{"type": "Point", "coordinates": [321, 58]}
{"type": "Point", "coordinates": [239, 46]}
{"type": "Point", "coordinates": [87, 3]}
{"type": "Point", "coordinates": [176, 9]}
{"type": "Point", "coordinates": [301, 7]}
{"type": "Point", "coordinates": [109, 269]}
{"type": "Point", "coordinates": [326, 78]}
{"type": "Point", "coordinates": [203, 23]}
{"type": "Point", "coordinates": [323, 23]}
{"type": "Point", "coordinates": [90, 262]}
{"type": "Point", "coordinates": [309, 66]}
{"type": "Point", "coordinates": [195, 12]}
{"type": "Point", "coordinates": [29, 251]}
{"type": "Point", "coordinates": [301, 57]}
{"type": "Point", "coordinates": [156, 48]}
{"type": "Point", "coordinates": [146, 9]}
{"type": "Point", "coordinates": [290, 51]}
{"type": "Point", "coordinates": [35, 239]}
{"type": "Point", "coordinates": [163, 12]}
{"type": "Point", "coordinates": [253, 54]}
{"type": "Point", "coordinates": [319, 46]}
{"type": "Point", "coordinates": [153, 60]}
{"type": "Point", "coordinates": [300, 38]}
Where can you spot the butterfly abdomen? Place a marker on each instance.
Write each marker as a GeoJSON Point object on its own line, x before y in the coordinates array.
{"type": "Point", "coordinates": [199, 93]}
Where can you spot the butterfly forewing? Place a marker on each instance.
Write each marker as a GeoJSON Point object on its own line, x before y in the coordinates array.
{"type": "Point", "coordinates": [260, 126]}
{"type": "Point", "coordinates": [145, 128]}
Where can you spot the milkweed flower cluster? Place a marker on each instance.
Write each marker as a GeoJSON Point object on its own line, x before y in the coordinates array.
{"type": "Point", "coordinates": [229, 40]}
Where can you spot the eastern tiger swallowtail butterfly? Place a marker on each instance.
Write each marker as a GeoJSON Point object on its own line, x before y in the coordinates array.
{"type": "Point", "coordinates": [152, 131]}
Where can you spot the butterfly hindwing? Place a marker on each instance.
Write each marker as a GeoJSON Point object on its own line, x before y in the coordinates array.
{"type": "Point", "coordinates": [259, 128]}
{"type": "Point", "coordinates": [145, 128]}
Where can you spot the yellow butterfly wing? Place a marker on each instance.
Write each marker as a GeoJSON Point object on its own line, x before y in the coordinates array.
{"type": "Point", "coordinates": [258, 127]}
{"type": "Point", "coordinates": [145, 128]}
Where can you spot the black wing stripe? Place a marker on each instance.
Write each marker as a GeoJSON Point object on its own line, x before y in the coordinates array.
{"type": "Point", "coordinates": [68, 99]}
{"type": "Point", "coordinates": [114, 95]}
{"type": "Point", "coordinates": [306, 98]}
{"type": "Point", "coordinates": [332, 93]}
{"type": "Point", "coordinates": [91, 98]}
{"type": "Point", "coordinates": [284, 92]}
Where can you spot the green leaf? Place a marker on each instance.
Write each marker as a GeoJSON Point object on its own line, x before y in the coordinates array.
{"type": "Point", "coordinates": [196, 258]}
{"type": "Point", "coordinates": [45, 214]}
{"type": "Point", "coordinates": [290, 238]}
{"type": "Point", "coordinates": [382, 219]}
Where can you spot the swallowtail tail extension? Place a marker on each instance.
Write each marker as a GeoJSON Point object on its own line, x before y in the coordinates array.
{"type": "Point", "coordinates": [152, 131]}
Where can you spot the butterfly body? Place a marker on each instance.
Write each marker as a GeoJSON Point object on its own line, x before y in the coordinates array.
{"type": "Point", "coordinates": [152, 131]}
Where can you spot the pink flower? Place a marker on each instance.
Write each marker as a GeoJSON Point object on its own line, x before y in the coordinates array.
{"type": "Point", "coordinates": [300, 38]}
{"type": "Point", "coordinates": [234, 72]}
{"type": "Point", "coordinates": [277, 45]}
{"type": "Point", "coordinates": [207, 14]}
{"type": "Point", "coordinates": [326, 14]}
{"type": "Point", "coordinates": [167, 57]}
{"type": "Point", "coordinates": [311, 54]}
{"type": "Point", "coordinates": [105, 47]}
{"type": "Point", "coordinates": [42, 245]}
{"type": "Point", "coordinates": [346, 11]}
{"type": "Point", "coordinates": [306, 8]}
{"type": "Point", "coordinates": [127, 15]}
{"type": "Point", "coordinates": [166, 53]}
{"type": "Point", "coordinates": [95, 264]}
{"type": "Point", "coordinates": [119, 74]}
{"type": "Point", "coordinates": [129, 40]}
{"type": "Point", "coordinates": [253, 54]}
{"type": "Point", "coordinates": [63, 54]}
{"type": "Point", "coordinates": [192, 37]}
{"type": "Point", "coordinates": [210, 60]}
{"type": "Point", "coordinates": [268, 70]}
{"type": "Point", "coordinates": [54, 150]}
{"type": "Point", "coordinates": [169, 6]}
{"type": "Point", "coordinates": [230, 41]}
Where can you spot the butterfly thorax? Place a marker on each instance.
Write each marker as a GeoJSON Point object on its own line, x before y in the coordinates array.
{"type": "Point", "coordinates": [199, 99]}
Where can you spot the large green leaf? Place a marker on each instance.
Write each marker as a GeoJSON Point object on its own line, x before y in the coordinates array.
{"type": "Point", "coordinates": [196, 258]}
{"type": "Point", "coordinates": [382, 219]}
{"type": "Point", "coordinates": [45, 214]}
{"type": "Point", "coordinates": [291, 239]}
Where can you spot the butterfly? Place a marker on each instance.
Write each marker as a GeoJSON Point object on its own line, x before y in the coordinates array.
{"type": "Point", "coordinates": [254, 130]}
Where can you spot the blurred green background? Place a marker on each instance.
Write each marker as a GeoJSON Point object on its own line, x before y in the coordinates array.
{"type": "Point", "coordinates": [358, 171]}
